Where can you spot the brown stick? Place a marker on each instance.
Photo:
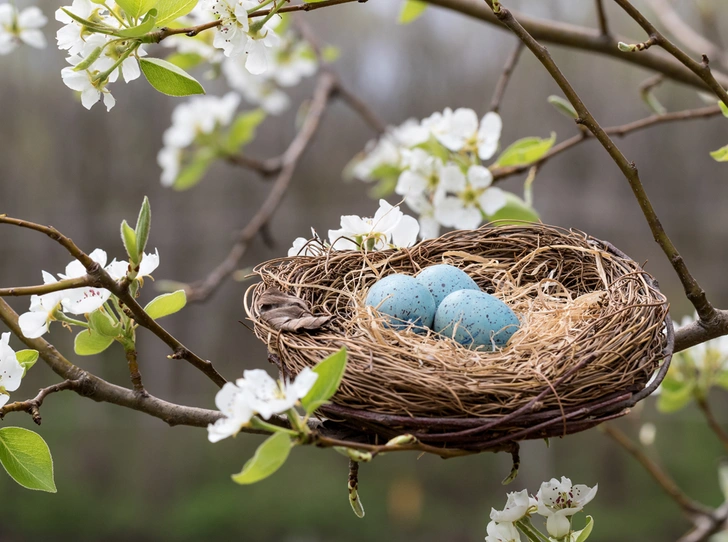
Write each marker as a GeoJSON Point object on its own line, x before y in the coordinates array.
{"type": "Point", "coordinates": [32, 406]}
{"type": "Point", "coordinates": [712, 422]}
{"type": "Point", "coordinates": [500, 88]}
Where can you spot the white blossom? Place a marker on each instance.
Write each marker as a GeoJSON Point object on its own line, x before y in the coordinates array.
{"type": "Point", "coordinates": [517, 507]}
{"type": "Point", "coordinates": [267, 397]}
{"type": "Point", "coordinates": [388, 227]}
{"type": "Point", "coordinates": [260, 47]}
{"type": "Point", "coordinates": [11, 372]}
{"type": "Point", "coordinates": [259, 90]}
{"type": "Point", "coordinates": [90, 88]}
{"type": "Point", "coordinates": [232, 34]}
{"type": "Point", "coordinates": [558, 501]}
{"type": "Point", "coordinates": [21, 27]}
{"type": "Point", "coordinates": [72, 35]}
{"type": "Point", "coordinates": [237, 413]}
{"type": "Point", "coordinates": [170, 160]}
{"type": "Point", "coordinates": [459, 130]}
{"type": "Point", "coordinates": [199, 116]}
{"type": "Point", "coordinates": [35, 322]}
{"type": "Point", "coordinates": [502, 532]}
{"type": "Point", "coordinates": [472, 195]}
{"type": "Point", "coordinates": [292, 62]}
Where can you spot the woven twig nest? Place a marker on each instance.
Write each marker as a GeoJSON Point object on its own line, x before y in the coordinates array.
{"type": "Point", "coordinates": [594, 328]}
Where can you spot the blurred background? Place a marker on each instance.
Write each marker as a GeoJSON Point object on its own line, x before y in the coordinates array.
{"type": "Point", "coordinates": [123, 475]}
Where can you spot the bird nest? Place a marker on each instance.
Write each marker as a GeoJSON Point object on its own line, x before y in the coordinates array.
{"type": "Point", "coordinates": [594, 328]}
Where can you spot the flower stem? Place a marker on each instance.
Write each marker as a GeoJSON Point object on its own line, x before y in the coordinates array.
{"type": "Point", "coordinates": [530, 531]}
{"type": "Point", "coordinates": [257, 423]}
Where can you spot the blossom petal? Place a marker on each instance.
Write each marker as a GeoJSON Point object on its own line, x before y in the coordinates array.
{"type": "Point", "coordinates": [492, 200]}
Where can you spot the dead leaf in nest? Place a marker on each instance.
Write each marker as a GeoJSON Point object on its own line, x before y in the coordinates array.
{"type": "Point", "coordinates": [287, 312]}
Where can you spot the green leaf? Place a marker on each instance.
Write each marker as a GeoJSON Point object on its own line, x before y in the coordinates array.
{"type": "Point", "coordinates": [103, 324]}
{"type": "Point", "coordinates": [143, 225]}
{"type": "Point", "coordinates": [90, 25]}
{"type": "Point", "coordinates": [186, 61]}
{"type": "Point", "coordinates": [674, 395]}
{"type": "Point", "coordinates": [355, 500]}
{"type": "Point", "coordinates": [721, 155]}
{"type": "Point", "coordinates": [330, 371]}
{"type": "Point", "coordinates": [525, 151]}
{"type": "Point", "coordinates": [330, 53]}
{"type": "Point", "coordinates": [90, 59]}
{"type": "Point", "coordinates": [166, 304]}
{"type": "Point", "coordinates": [194, 171]}
{"type": "Point", "coordinates": [723, 108]}
{"type": "Point", "coordinates": [563, 106]}
{"type": "Point", "coordinates": [721, 379]}
{"type": "Point", "coordinates": [27, 359]}
{"type": "Point", "coordinates": [128, 237]}
{"type": "Point", "coordinates": [168, 79]}
{"type": "Point", "coordinates": [27, 459]}
{"type": "Point", "coordinates": [169, 10]}
{"type": "Point", "coordinates": [411, 10]}
{"type": "Point", "coordinates": [136, 8]}
{"type": "Point", "coordinates": [89, 342]}
{"type": "Point", "coordinates": [149, 22]}
{"type": "Point", "coordinates": [581, 536]}
{"type": "Point", "coordinates": [360, 456]}
{"type": "Point", "coordinates": [268, 458]}
{"type": "Point", "coordinates": [515, 210]}
{"type": "Point", "coordinates": [242, 130]}
{"type": "Point", "coordinates": [653, 103]}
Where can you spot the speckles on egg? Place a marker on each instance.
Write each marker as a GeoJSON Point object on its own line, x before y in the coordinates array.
{"type": "Point", "coordinates": [404, 299]}
{"type": "Point", "coordinates": [442, 280]}
{"type": "Point", "coordinates": [476, 319]}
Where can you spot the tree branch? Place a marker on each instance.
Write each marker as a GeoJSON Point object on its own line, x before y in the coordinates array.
{"type": "Point", "coordinates": [578, 37]}
{"type": "Point", "coordinates": [100, 278]}
{"type": "Point", "coordinates": [32, 406]}
{"type": "Point", "coordinates": [693, 290]}
{"type": "Point", "coordinates": [602, 17]}
{"type": "Point", "coordinates": [712, 422]}
{"type": "Point", "coordinates": [701, 69]}
{"type": "Point", "coordinates": [500, 88]}
{"type": "Point", "coordinates": [65, 284]}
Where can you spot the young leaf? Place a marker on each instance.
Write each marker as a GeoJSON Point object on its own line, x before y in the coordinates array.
{"type": "Point", "coordinates": [515, 210]}
{"type": "Point", "coordinates": [411, 10]}
{"type": "Point", "coordinates": [90, 59]}
{"type": "Point", "coordinates": [166, 304]}
{"type": "Point", "coordinates": [675, 395]}
{"type": "Point", "coordinates": [330, 53]}
{"type": "Point", "coordinates": [128, 237]}
{"type": "Point", "coordinates": [268, 458]}
{"type": "Point", "coordinates": [330, 372]}
{"type": "Point", "coordinates": [89, 342]}
{"type": "Point", "coordinates": [242, 130]}
{"type": "Point", "coordinates": [581, 536]}
{"type": "Point", "coordinates": [355, 455]}
{"type": "Point", "coordinates": [27, 459]}
{"type": "Point", "coordinates": [563, 106]}
{"type": "Point", "coordinates": [185, 61]}
{"type": "Point", "coordinates": [723, 108]}
{"type": "Point", "coordinates": [168, 78]}
{"type": "Point", "coordinates": [143, 225]}
{"type": "Point", "coordinates": [355, 500]}
{"type": "Point", "coordinates": [525, 151]}
{"type": "Point", "coordinates": [136, 8]}
{"type": "Point", "coordinates": [169, 10]}
{"type": "Point", "coordinates": [103, 324]}
{"type": "Point", "coordinates": [27, 359]}
{"type": "Point", "coordinates": [721, 155]}
{"type": "Point", "coordinates": [149, 22]}
{"type": "Point", "coordinates": [90, 25]}
{"type": "Point", "coordinates": [194, 171]}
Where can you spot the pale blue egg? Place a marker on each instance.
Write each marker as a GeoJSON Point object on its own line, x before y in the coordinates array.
{"type": "Point", "coordinates": [403, 299]}
{"type": "Point", "coordinates": [442, 280]}
{"type": "Point", "coordinates": [476, 319]}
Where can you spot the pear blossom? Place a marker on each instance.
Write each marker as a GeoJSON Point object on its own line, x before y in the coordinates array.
{"type": "Point", "coordinates": [72, 35]}
{"type": "Point", "coordinates": [518, 505]}
{"type": "Point", "coordinates": [292, 62]}
{"type": "Point", "coordinates": [85, 300]}
{"type": "Point", "coordinates": [11, 372]}
{"type": "Point", "coordinates": [459, 130]}
{"type": "Point", "coordinates": [267, 396]}
{"type": "Point", "coordinates": [199, 116]}
{"type": "Point", "coordinates": [259, 90]}
{"type": "Point", "coordinates": [502, 532]}
{"type": "Point", "coordinates": [237, 413]}
{"type": "Point", "coordinates": [378, 154]}
{"type": "Point", "coordinates": [35, 322]}
{"type": "Point", "coordinates": [170, 160]}
{"type": "Point", "coordinates": [558, 501]}
{"type": "Point", "coordinates": [472, 195]}
{"type": "Point", "coordinates": [201, 44]}
{"type": "Point", "coordinates": [388, 227]}
{"type": "Point", "coordinates": [261, 47]}
{"type": "Point", "coordinates": [232, 34]}
{"type": "Point", "coordinates": [18, 27]}
{"type": "Point", "coordinates": [91, 89]}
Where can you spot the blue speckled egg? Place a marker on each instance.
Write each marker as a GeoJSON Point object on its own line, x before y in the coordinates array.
{"type": "Point", "coordinates": [404, 299]}
{"type": "Point", "coordinates": [476, 319]}
{"type": "Point", "coordinates": [442, 280]}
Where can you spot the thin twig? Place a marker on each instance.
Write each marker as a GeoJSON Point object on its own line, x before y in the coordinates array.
{"type": "Point", "coordinates": [65, 284]}
{"type": "Point", "coordinates": [500, 88]}
{"type": "Point", "coordinates": [100, 278]}
{"type": "Point", "coordinates": [581, 38]}
{"type": "Point", "coordinates": [602, 17]}
{"type": "Point", "coordinates": [693, 290]}
{"type": "Point", "coordinates": [701, 69]}
{"type": "Point", "coordinates": [134, 373]}
{"type": "Point", "coordinates": [202, 289]}
{"type": "Point", "coordinates": [712, 422]}
{"type": "Point", "coordinates": [32, 406]}
{"type": "Point", "coordinates": [707, 525]}
{"type": "Point", "coordinates": [688, 505]}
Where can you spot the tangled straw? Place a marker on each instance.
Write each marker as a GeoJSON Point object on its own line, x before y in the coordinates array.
{"type": "Point", "coordinates": [594, 328]}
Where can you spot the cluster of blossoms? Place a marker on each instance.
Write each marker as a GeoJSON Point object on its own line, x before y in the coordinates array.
{"type": "Point", "coordinates": [256, 393]}
{"type": "Point", "coordinates": [195, 121]}
{"type": "Point", "coordinates": [556, 500]}
{"type": "Point", "coordinates": [388, 228]}
{"type": "Point", "coordinates": [436, 165]}
{"type": "Point", "coordinates": [18, 27]}
{"type": "Point", "coordinates": [11, 371]}
{"type": "Point", "coordinates": [96, 58]}
{"type": "Point", "coordinates": [46, 308]}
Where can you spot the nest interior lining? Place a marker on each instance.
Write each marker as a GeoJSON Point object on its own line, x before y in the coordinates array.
{"type": "Point", "coordinates": [580, 302]}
